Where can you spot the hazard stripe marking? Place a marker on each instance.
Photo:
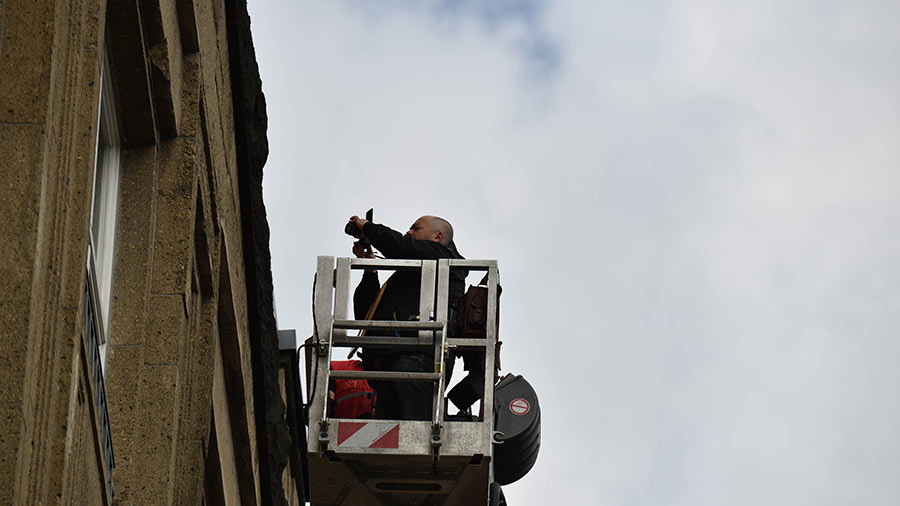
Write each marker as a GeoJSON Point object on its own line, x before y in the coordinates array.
{"type": "Point", "coordinates": [368, 435]}
{"type": "Point", "coordinates": [390, 439]}
{"type": "Point", "coordinates": [347, 429]}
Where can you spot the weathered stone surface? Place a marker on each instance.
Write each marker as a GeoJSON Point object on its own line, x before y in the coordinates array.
{"type": "Point", "coordinates": [163, 41]}
{"type": "Point", "coordinates": [156, 431]}
{"type": "Point", "coordinates": [123, 391]}
{"type": "Point", "coordinates": [173, 240]}
{"type": "Point", "coordinates": [88, 474]}
{"type": "Point", "coordinates": [84, 450]}
{"type": "Point", "coordinates": [93, 23]}
{"type": "Point", "coordinates": [174, 236]}
{"type": "Point", "coordinates": [251, 151]}
{"type": "Point", "coordinates": [54, 234]}
{"type": "Point", "coordinates": [224, 437]}
{"type": "Point", "coordinates": [190, 96]}
{"type": "Point", "coordinates": [165, 329]}
{"type": "Point", "coordinates": [10, 421]}
{"type": "Point", "coordinates": [190, 462]}
{"type": "Point", "coordinates": [81, 113]}
{"type": "Point", "coordinates": [216, 98]}
{"type": "Point", "coordinates": [131, 281]}
{"type": "Point", "coordinates": [28, 30]}
{"type": "Point", "coordinates": [202, 344]}
{"type": "Point", "coordinates": [175, 56]}
{"type": "Point", "coordinates": [19, 204]}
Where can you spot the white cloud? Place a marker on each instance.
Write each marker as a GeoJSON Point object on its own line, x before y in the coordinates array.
{"type": "Point", "coordinates": [708, 190]}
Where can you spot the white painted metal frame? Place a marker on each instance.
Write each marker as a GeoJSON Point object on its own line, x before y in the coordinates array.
{"type": "Point", "coordinates": [331, 302]}
{"type": "Point", "coordinates": [454, 451]}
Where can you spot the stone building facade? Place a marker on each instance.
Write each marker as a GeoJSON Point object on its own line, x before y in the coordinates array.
{"type": "Point", "coordinates": [139, 361]}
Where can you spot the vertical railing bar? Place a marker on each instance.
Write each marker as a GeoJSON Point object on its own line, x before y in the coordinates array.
{"type": "Point", "coordinates": [426, 294]}
{"type": "Point", "coordinates": [92, 330]}
{"type": "Point", "coordinates": [440, 347]}
{"type": "Point", "coordinates": [490, 348]}
{"type": "Point", "coordinates": [323, 304]}
{"type": "Point", "coordinates": [341, 294]}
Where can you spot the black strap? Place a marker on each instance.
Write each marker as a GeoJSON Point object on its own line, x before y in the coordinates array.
{"type": "Point", "coordinates": [484, 281]}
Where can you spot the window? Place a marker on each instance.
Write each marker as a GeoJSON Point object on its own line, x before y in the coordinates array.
{"type": "Point", "coordinates": [101, 248]}
{"type": "Point", "coordinates": [104, 208]}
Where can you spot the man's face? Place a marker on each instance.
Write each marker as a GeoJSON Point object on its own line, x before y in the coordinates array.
{"type": "Point", "coordinates": [421, 229]}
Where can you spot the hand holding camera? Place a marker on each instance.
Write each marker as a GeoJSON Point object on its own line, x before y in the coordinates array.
{"type": "Point", "coordinates": [363, 247]}
{"type": "Point", "coordinates": [362, 251]}
{"type": "Point", "coordinates": [354, 227]}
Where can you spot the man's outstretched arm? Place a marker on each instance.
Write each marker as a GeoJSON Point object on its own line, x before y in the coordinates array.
{"type": "Point", "coordinates": [393, 244]}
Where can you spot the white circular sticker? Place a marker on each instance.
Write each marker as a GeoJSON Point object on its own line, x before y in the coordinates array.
{"type": "Point", "coordinates": [519, 406]}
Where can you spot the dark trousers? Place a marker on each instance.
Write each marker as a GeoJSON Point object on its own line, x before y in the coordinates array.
{"type": "Point", "coordinates": [404, 400]}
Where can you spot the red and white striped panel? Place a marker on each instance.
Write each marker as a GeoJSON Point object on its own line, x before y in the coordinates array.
{"type": "Point", "coordinates": [368, 435]}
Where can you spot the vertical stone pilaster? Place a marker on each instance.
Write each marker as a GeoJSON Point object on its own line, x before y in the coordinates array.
{"type": "Point", "coordinates": [165, 330]}
{"type": "Point", "coordinates": [156, 433]}
{"type": "Point", "coordinates": [174, 237]}
{"type": "Point", "coordinates": [20, 204]}
{"type": "Point", "coordinates": [123, 390]}
{"type": "Point", "coordinates": [134, 246]}
{"type": "Point", "coordinates": [130, 312]}
{"type": "Point", "coordinates": [51, 70]}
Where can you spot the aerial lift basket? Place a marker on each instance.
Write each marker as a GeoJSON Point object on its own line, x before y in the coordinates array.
{"type": "Point", "coordinates": [366, 462]}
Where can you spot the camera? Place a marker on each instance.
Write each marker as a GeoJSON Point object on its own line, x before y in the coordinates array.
{"type": "Point", "coordinates": [351, 229]}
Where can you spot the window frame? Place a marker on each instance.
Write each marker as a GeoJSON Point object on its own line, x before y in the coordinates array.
{"type": "Point", "coordinates": [104, 207]}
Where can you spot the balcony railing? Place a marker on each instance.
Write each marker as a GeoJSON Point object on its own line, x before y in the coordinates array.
{"type": "Point", "coordinates": [92, 328]}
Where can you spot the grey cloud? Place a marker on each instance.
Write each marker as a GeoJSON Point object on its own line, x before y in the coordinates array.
{"type": "Point", "coordinates": [695, 217]}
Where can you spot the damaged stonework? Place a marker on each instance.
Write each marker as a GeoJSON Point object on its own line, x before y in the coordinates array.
{"type": "Point", "coordinates": [252, 150]}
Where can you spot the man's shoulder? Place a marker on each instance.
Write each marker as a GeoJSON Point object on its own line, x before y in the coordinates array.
{"type": "Point", "coordinates": [396, 245]}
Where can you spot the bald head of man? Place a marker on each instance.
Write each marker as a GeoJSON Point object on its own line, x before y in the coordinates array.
{"type": "Point", "coordinates": [431, 228]}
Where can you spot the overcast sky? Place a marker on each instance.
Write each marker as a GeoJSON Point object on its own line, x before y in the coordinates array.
{"type": "Point", "coordinates": [695, 207]}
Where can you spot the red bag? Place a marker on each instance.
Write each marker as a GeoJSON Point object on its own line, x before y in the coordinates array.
{"type": "Point", "coordinates": [353, 398]}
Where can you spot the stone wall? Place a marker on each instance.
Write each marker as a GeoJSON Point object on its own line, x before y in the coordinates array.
{"type": "Point", "coordinates": [191, 381]}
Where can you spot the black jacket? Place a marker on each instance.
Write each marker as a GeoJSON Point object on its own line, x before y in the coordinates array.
{"type": "Point", "coordinates": [400, 300]}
